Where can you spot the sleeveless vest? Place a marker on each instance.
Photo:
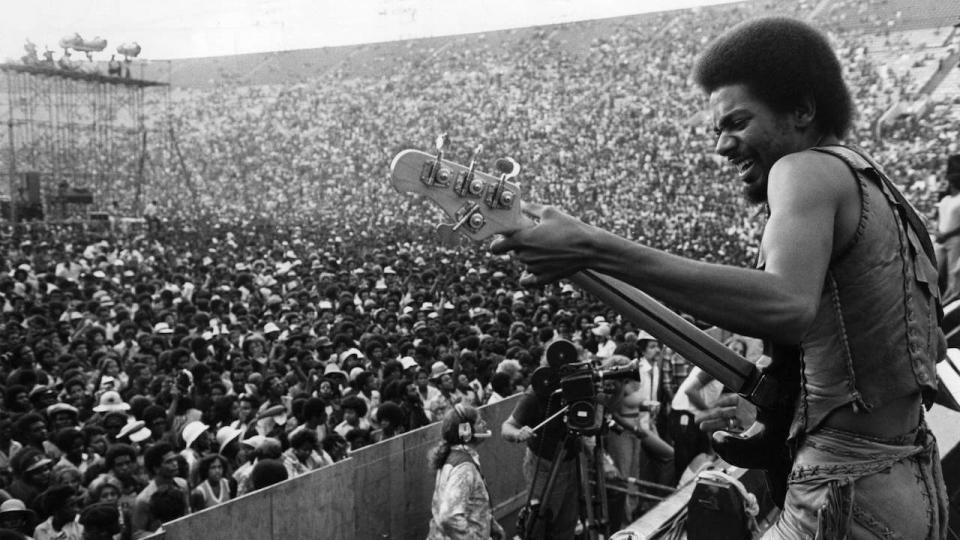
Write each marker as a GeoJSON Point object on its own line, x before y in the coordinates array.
{"type": "Point", "coordinates": [876, 336]}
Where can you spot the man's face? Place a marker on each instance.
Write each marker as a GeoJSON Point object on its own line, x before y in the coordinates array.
{"type": "Point", "coordinates": [752, 136]}
{"type": "Point", "coordinates": [112, 426]}
{"type": "Point", "coordinates": [123, 466]}
{"type": "Point", "coordinates": [38, 431]}
{"type": "Point", "coordinates": [650, 349]}
{"type": "Point", "coordinates": [170, 466]}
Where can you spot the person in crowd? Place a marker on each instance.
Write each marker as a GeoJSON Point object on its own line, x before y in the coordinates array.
{"type": "Point", "coordinates": [32, 475]}
{"type": "Point", "coordinates": [354, 416]}
{"type": "Point", "coordinates": [213, 487]}
{"type": "Point", "coordinates": [786, 148]}
{"type": "Point", "coordinates": [15, 516]}
{"type": "Point", "coordinates": [267, 472]}
{"type": "Point", "coordinates": [100, 521]}
{"type": "Point", "coordinates": [196, 440]}
{"type": "Point", "coordinates": [161, 462]}
{"type": "Point", "coordinates": [549, 443]}
{"type": "Point", "coordinates": [461, 505]}
{"type": "Point", "coordinates": [948, 231]}
{"type": "Point", "coordinates": [305, 454]}
{"type": "Point", "coordinates": [62, 505]}
{"type": "Point", "coordinates": [441, 377]}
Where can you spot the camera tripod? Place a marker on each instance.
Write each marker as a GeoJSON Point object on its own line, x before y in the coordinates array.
{"type": "Point", "coordinates": [593, 512]}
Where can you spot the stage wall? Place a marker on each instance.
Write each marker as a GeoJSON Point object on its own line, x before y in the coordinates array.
{"type": "Point", "coordinates": [382, 491]}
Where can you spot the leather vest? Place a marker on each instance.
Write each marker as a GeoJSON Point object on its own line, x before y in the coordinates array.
{"type": "Point", "coordinates": [876, 336]}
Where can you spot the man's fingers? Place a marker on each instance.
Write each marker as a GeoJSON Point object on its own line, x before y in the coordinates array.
{"type": "Point", "coordinates": [534, 209]}
{"type": "Point", "coordinates": [727, 400]}
{"type": "Point", "coordinates": [501, 245]}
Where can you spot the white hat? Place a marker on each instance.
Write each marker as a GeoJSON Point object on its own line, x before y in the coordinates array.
{"type": "Point", "coordinates": [270, 327]}
{"type": "Point", "coordinates": [227, 434]}
{"type": "Point", "coordinates": [136, 430]}
{"type": "Point", "coordinates": [644, 335]}
{"type": "Point", "coordinates": [354, 373]}
{"type": "Point", "coordinates": [111, 401]}
{"type": "Point", "coordinates": [602, 329]}
{"type": "Point", "coordinates": [193, 430]}
{"type": "Point", "coordinates": [332, 369]}
{"type": "Point", "coordinates": [408, 362]}
{"type": "Point", "coordinates": [439, 369]}
{"type": "Point", "coordinates": [253, 442]}
{"type": "Point", "coordinates": [162, 328]}
{"type": "Point", "coordinates": [353, 351]}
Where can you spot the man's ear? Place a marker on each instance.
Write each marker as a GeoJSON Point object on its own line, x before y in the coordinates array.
{"type": "Point", "coordinates": [805, 113]}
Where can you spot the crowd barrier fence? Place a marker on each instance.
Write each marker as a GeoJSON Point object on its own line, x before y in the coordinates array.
{"type": "Point", "coordinates": [382, 491]}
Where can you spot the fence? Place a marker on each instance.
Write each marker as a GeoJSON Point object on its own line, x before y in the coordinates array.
{"type": "Point", "coordinates": [382, 491]}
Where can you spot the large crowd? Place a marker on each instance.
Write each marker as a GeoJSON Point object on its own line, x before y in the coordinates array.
{"type": "Point", "coordinates": [284, 307]}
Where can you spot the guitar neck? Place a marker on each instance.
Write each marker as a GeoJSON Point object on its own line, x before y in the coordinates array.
{"type": "Point", "coordinates": [728, 367]}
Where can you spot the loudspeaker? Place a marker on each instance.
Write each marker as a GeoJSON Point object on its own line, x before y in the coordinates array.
{"type": "Point", "coordinates": [31, 187]}
{"type": "Point", "coordinates": [716, 510]}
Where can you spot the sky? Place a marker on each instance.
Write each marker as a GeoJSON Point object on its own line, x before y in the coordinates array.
{"type": "Point", "coordinates": [170, 29]}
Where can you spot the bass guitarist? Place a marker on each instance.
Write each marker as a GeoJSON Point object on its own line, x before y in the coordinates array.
{"type": "Point", "coordinates": [846, 278]}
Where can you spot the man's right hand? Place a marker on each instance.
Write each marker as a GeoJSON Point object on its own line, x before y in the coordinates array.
{"type": "Point", "coordinates": [524, 434]}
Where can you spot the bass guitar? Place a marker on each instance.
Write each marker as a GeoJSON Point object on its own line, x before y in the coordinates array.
{"type": "Point", "coordinates": [482, 205]}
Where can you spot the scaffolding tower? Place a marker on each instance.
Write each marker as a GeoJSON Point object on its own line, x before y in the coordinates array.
{"type": "Point", "coordinates": [75, 140]}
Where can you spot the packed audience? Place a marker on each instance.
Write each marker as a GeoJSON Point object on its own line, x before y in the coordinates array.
{"type": "Point", "coordinates": [284, 307]}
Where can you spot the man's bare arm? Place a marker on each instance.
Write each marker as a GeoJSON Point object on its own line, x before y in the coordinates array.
{"type": "Point", "coordinates": [805, 194]}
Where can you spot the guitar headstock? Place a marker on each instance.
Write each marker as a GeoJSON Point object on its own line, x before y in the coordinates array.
{"type": "Point", "coordinates": [480, 204]}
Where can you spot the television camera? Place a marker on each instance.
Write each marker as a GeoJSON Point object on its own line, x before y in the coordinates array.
{"type": "Point", "coordinates": [583, 388]}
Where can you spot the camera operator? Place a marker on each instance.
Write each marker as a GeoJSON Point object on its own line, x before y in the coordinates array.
{"type": "Point", "coordinates": [558, 513]}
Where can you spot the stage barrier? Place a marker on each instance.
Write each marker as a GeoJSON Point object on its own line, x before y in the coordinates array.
{"type": "Point", "coordinates": [382, 491]}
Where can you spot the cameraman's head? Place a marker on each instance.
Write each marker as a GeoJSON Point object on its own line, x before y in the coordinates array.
{"type": "Point", "coordinates": [647, 346]}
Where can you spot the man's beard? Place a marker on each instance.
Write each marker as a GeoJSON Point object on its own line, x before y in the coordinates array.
{"type": "Point", "coordinates": [756, 192]}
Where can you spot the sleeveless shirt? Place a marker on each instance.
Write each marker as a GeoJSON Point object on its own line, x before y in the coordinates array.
{"type": "Point", "coordinates": [876, 336]}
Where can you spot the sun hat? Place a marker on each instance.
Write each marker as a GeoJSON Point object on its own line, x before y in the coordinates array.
{"type": "Point", "coordinates": [16, 507]}
{"type": "Point", "coordinates": [111, 401]}
{"type": "Point", "coordinates": [253, 442]}
{"type": "Point", "coordinates": [354, 373]}
{"type": "Point", "coordinates": [602, 329]}
{"type": "Point", "coordinates": [58, 408]}
{"type": "Point", "coordinates": [225, 435]}
{"type": "Point", "coordinates": [135, 430]}
{"type": "Point", "coordinates": [35, 462]}
{"type": "Point", "coordinates": [439, 369]}
{"type": "Point", "coordinates": [408, 362]}
{"type": "Point", "coordinates": [162, 328]}
{"type": "Point", "coordinates": [192, 431]}
{"type": "Point", "coordinates": [333, 369]}
{"type": "Point", "coordinates": [350, 352]}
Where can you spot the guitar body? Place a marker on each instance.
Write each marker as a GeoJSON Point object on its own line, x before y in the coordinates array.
{"type": "Point", "coordinates": [768, 449]}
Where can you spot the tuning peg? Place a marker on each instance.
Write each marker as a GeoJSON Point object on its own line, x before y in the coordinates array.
{"type": "Point", "coordinates": [442, 141]}
{"type": "Point", "coordinates": [433, 173]}
{"type": "Point", "coordinates": [473, 159]}
{"type": "Point", "coordinates": [508, 167]}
